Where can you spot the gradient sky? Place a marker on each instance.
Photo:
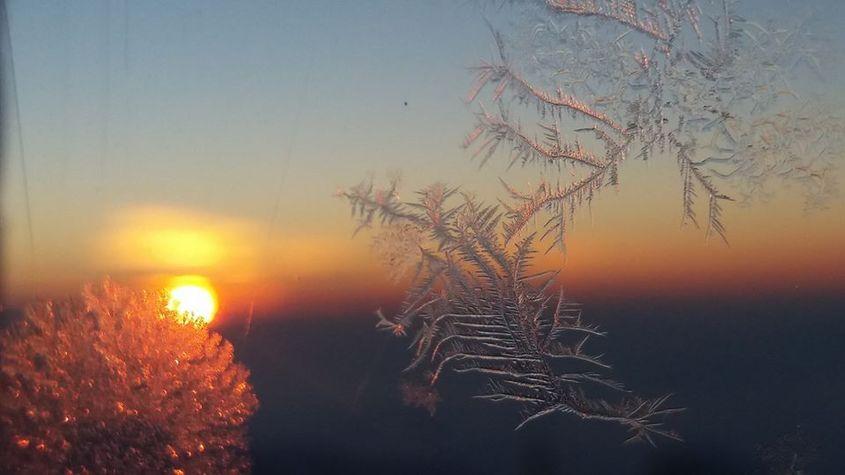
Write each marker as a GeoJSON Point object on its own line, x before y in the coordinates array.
{"type": "Point", "coordinates": [208, 137]}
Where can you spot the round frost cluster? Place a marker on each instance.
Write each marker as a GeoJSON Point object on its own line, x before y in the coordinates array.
{"type": "Point", "coordinates": [114, 382]}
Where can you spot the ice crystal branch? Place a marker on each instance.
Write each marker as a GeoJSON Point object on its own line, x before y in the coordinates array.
{"type": "Point", "coordinates": [474, 307]}
{"type": "Point", "coordinates": [693, 176]}
{"type": "Point", "coordinates": [683, 87]}
{"type": "Point", "coordinates": [552, 150]}
{"type": "Point", "coordinates": [560, 202]}
{"type": "Point", "coordinates": [625, 12]}
{"type": "Point", "coordinates": [553, 104]}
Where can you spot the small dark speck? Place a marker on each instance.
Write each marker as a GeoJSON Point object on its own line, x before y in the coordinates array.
{"type": "Point", "coordinates": [406, 103]}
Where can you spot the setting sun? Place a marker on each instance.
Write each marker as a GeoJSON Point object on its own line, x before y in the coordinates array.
{"type": "Point", "coordinates": [198, 301]}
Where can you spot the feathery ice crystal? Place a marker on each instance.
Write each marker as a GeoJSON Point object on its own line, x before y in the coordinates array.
{"type": "Point", "coordinates": [692, 80]}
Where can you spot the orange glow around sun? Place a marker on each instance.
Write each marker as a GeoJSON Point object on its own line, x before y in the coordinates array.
{"type": "Point", "coordinates": [193, 297]}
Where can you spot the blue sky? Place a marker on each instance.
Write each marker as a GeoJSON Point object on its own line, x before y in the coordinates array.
{"type": "Point", "coordinates": [244, 114]}
{"type": "Point", "coordinates": [120, 97]}
{"type": "Point", "coordinates": [229, 107]}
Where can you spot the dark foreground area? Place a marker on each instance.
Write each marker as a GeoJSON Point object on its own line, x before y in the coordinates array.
{"type": "Point", "coordinates": [762, 381]}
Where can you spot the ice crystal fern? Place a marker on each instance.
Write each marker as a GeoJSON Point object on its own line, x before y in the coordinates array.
{"type": "Point", "coordinates": [115, 382]}
{"type": "Point", "coordinates": [474, 307]}
{"type": "Point", "coordinates": [594, 79]}
{"type": "Point", "coordinates": [649, 76]}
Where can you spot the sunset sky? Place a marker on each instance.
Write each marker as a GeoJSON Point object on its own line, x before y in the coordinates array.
{"type": "Point", "coordinates": [208, 138]}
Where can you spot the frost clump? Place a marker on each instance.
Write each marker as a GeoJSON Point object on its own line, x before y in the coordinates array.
{"type": "Point", "coordinates": [113, 381]}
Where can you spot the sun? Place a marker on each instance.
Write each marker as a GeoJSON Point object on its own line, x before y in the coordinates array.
{"type": "Point", "coordinates": [193, 301]}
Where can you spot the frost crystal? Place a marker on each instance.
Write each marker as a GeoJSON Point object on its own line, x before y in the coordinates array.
{"type": "Point", "coordinates": [595, 80]}
{"type": "Point", "coordinates": [474, 307]}
{"type": "Point", "coordinates": [115, 382]}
